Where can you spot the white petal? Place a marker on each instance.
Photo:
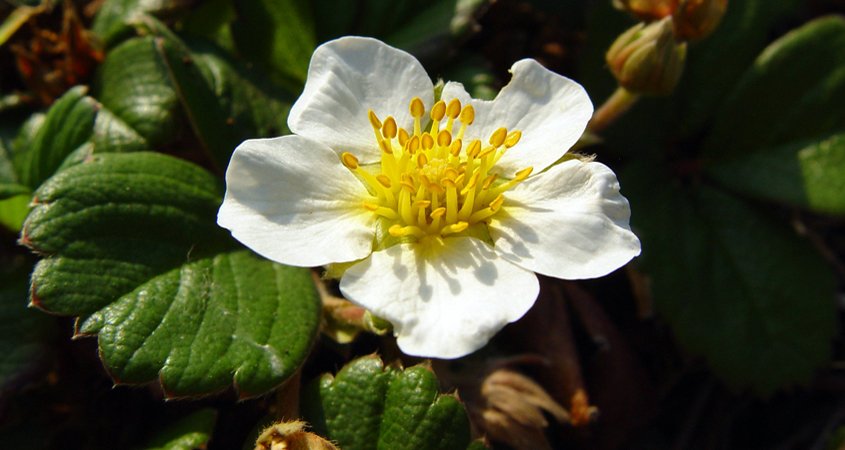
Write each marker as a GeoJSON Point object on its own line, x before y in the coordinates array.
{"type": "Point", "coordinates": [569, 222]}
{"type": "Point", "coordinates": [444, 301]}
{"type": "Point", "coordinates": [552, 112]}
{"type": "Point", "coordinates": [346, 78]}
{"type": "Point", "coordinates": [291, 200]}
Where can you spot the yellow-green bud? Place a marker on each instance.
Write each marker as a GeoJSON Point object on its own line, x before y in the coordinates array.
{"type": "Point", "coordinates": [647, 10]}
{"type": "Point", "coordinates": [695, 19]}
{"type": "Point", "coordinates": [647, 59]}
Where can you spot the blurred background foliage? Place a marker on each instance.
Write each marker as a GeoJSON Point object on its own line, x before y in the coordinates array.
{"type": "Point", "coordinates": [117, 121]}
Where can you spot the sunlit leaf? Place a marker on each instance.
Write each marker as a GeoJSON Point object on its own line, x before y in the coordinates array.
{"type": "Point", "coordinates": [369, 406]}
{"type": "Point", "coordinates": [131, 245]}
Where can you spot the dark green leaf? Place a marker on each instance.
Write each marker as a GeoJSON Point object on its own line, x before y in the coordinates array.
{"type": "Point", "coordinates": [793, 92]}
{"type": "Point", "coordinates": [134, 85]}
{"type": "Point", "coordinates": [279, 35]}
{"type": "Point", "coordinates": [368, 406]}
{"type": "Point", "coordinates": [429, 31]}
{"type": "Point", "coordinates": [190, 433]}
{"type": "Point", "coordinates": [736, 286]}
{"type": "Point", "coordinates": [114, 16]}
{"type": "Point", "coordinates": [132, 247]}
{"type": "Point", "coordinates": [24, 333]}
{"type": "Point", "coordinates": [712, 70]}
{"type": "Point", "coordinates": [67, 127]}
{"type": "Point", "coordinates": [230, 106]}
{"type": "Point", "coordinates": [809, 174]}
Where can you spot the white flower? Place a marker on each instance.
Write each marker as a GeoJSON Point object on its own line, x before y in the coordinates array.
{"type": "Point", "coordinates": [446, 215]}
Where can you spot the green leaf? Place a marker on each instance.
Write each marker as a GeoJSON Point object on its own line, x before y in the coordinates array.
{"type": "Point", "coordinates": [225, 104]}
{"type": "Point", "coordinates": [809, 174]}
{"type": "Point", "coordinates": [793, 92]}
{"type": "Point", "coordinates": [369, 406]}
{"type": "Point", "coordinates": [711, 71]}
{"type": "Point", "coordinates": [737, 287]}
{"type": "Point", "coordinates": [9, 186]}
{"type": "Point", "coordinates": [134, 85]}
{"type": "Point", "coordinates": [112, 22]}
{"type": "Point", "coordinates": [13, 211]}
{"type": "Point", "coordinates": [190, 433]}
{"type": "Point", "coordinates": [132, 247]}
{"type": "Point", "coordinates": [433, 27]}
{"type": "Point", "coordinates": [278, 35]}
{"type": "Point", "coordinates": [67, 126]}
{"type": "Point", "coordinates": [24, 334]}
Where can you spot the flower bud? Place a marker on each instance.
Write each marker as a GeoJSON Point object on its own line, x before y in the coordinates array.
{"type": "Point", "coordinates": [646, 59]}
{"type": "Point", "coordinates": [647, 10]}
{"type": "Point", "coordinates": [695, 19]}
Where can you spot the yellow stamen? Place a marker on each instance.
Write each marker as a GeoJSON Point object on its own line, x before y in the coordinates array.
{"type": "Point", "coordinates": [349, 160]}
{"type": "Point", "coordinates": [512, 139]}
{"type": "Point", "coordinates": [498, 137]}
{"type": "Point", "coordinates": [389, 128]}
{"type": "Point", "coordinates": [438, 111]}
{"type": "Point", "coordinates": [454, 228]}
{"type": "Point", "coordinates": [374, 119]}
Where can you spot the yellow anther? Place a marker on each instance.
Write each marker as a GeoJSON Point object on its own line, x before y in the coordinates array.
{"type": "Point", "coordinates": [486, 152]}
{"type": "Point", "coordinates": [427, 141]}
{"type": "Point", "coordinates": [349, 160]}
{"type": "Point", "coordinates": [460, 179]}
{"type": "Point", "coordinates": [467, 115]}
{"type": "Point", "coordinates": [408, 186]}
{"type": "Point", "coordinates": [455, 148]}
{"type": "Point", "coordinates": [384, 180]}
{"type": "Point", "coordinates": [450, 173]}
{"type": "Point", "coordinates": [417, 107]}
{"type": "Point", "coordinates": [513, 137]}
{"type": "Point", "coordinates": [403, 137]}
{"type": "Point", "coordinates": [497, 202]}
{"type": "Point", "coordinates": [414, 144]}
{"type": "Point", "coordinates": [400, 231]}
{"type": "Point", "coordinates": [474, 149]}
{"type": "Point", "coordinates": [435, 188]}
{"type": "Point", "coordinates": [523, 174]}
{"type": "Point", "coordinates": [454, 228]}
{"type": "Point", "coordinates": [488, 181]}
{"type": "Point", "coordinates": [374, 119]}
{"type": "Point", "coordinates": [386, 147]}
{"type": "Point", "coordinates": [422, 160]}
{"type": "Point", "coordinates": [389, 128]}
{"type": "Point", "coordinates": [438, 111]}
{"type": "Point", "coordinates": [448, 182]}
{"type": "Point", "coordinates": [498, 137]}
{"type": "Point", "coordinates": [444, 138]}
{"type": "Point", "coordinates": [371, 206]}
{"type": "Point", "coordinates": [454, 108]}
{"type": "Point", "coordinates": [422, 204]}
{"type": "Point", "coordinates": [439, 212]}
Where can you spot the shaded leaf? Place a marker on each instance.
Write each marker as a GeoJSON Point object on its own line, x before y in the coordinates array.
{"type": "Point", "coordinates": [369, 406]}
{"type": "Point", "coordinates": [737, 287]}
{"type": "Point", "coordinates": [132, 247]}
{"type": "Point", "coordinates": [112, 22]}
{"type": "Point", "coordinates": [793, 92]}
{"type": "Point", "coordinates": [225, 103]}
{"type": "Point", "coordinates": [809, 174]}
{"type": "Point", "coordinates": [192, 432]}
{"type": "Point", "coordinates": [24, 333]}
{"type": "Point", "coordinates": [279, 35]}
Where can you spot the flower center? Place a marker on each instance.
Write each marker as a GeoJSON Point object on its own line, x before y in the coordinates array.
{"type": "Point", "coordinates": [428, 183]}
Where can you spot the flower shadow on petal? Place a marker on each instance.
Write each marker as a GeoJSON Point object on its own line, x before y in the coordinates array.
{"type": "Point", "coordinates": [443, 264]}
